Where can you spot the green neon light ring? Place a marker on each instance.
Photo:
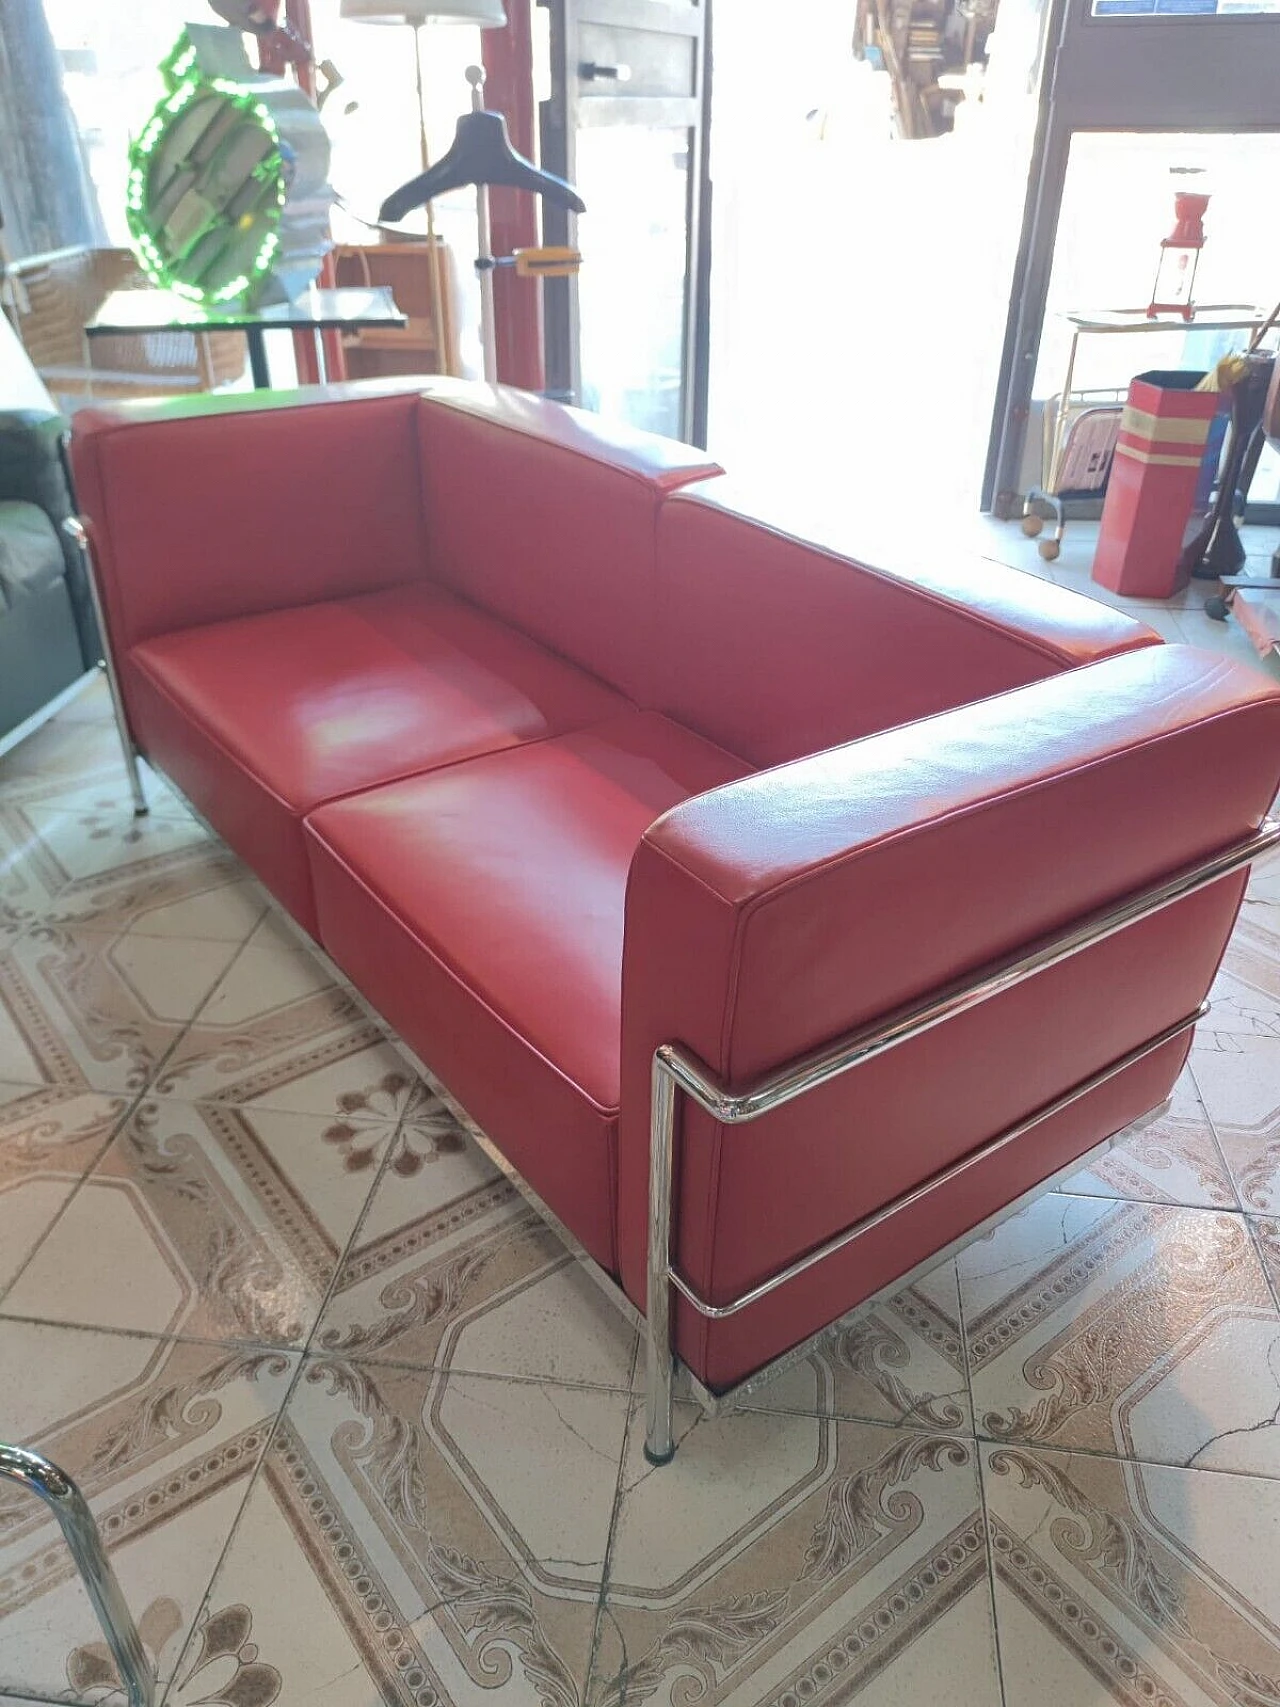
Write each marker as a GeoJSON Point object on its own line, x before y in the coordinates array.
{"type": "Point", "coordinates": [202, 251]}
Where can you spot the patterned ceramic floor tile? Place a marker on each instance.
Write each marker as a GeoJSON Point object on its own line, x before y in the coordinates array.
{"type": "Point", "coordinates": [163, 1439]}
{"type": "Point", "coordinates": [62, 749]}
{"type": "Point", "coordinates": [80, 1007]}
{"type": "Point", "coordinates": [450, 1269]}
{"type": "Point", "coordinates": [1125, 1326]}
{"type": "Point", "coordinates": [1172, 1159]}
{"type": "Point", "coordinates": [95, 804]}
{"type": "Point", "coordinates": [424, 1539]}
{"type": "Point", "coordinates": [1264, 882]}
{"type": "Point", "coordinates": [1239, 1010]}
{"type": "Point", "coordinates": [1240, 1083]}
{"type": "Point", "coordinates": [1266, 1236]}
{"type": "Point", "coordinates": [213, 1223]}
{"type": "Point", "coordinates": [1254, 951]}
{"type": "Point", "coordinates": [276, 1019]}
{"type": "Point", "coordinates": [91, 705]}
{"type": "Point", "coordinates": [75, 855]}
{"type": "Point", "coordinates": [49, 1139]}
{"type": "Point", "coordinates": [900, 1362]}
{"type": "Point", "coordinates": [195, 891]}
{"type": "Point", "coordinates": [1132, 1582]}
{"type": "Point", "coordinates": [787, 1560]}
{"type": "Point", "coordinates": [353, 1078]}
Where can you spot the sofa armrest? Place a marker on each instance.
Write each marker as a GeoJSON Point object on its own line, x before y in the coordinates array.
{"type": "Point", "coordinates": [768, 917]}
{"type": "Point", "coordinates": [204, 508]}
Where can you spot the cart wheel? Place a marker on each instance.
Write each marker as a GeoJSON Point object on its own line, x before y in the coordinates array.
{"type": "Point", "coordinates": [1050, 549]}
{"type": "Point", "coordinates": [1032, 525]}
{"type": "Point", "coordinates": [1215, 608]}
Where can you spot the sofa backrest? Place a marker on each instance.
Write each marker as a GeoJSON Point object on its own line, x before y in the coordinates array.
{"type": "Point", "coordinates": [207, 522]}
{"type": "Point", "coordinates": [775, 643]}
{"type": "Point", "coordinates": [546, 517]}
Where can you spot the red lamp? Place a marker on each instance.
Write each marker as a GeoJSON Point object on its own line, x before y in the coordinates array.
{"type": "Point", "coordinates": [1174, 289]}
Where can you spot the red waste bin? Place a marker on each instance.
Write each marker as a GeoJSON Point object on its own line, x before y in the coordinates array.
{"type": "Point", "coordinates": [1170, 434]}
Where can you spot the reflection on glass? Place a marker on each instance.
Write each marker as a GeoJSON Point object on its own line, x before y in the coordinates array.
{"type": "Point", "coordinates": [635, 182]}
{"type": "Point", "coordinates": [1183, 8]}
{"type": "Point", "coordinates": [1115, 210]}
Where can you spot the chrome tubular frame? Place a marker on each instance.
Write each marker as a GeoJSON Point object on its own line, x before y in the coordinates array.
{"type": "Point", "coordinates": [675, 1070]}
{"type": "Point", "coordinates": [76, 529]}
{"type": "Point", "coordinates": [84, 1543]}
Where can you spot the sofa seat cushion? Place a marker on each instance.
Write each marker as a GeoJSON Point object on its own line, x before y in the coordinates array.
{"type": "Point", "coordinates": [480, 909]}
{"type": "Point", "coordinates": [260, 719]}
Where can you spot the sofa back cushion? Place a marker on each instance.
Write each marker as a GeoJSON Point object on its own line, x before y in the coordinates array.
{"type": "Point", "coordinates": [203, 509]}
{"type": "Point", "coordinates": [546, 517]}
{"type": "Point", "coordinates": [776, 643]}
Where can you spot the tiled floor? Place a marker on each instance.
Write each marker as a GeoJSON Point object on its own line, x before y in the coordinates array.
{"type": "Point", "coordinates": [359, 1430]}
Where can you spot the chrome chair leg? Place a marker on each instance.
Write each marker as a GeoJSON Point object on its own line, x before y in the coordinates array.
{"type": "Point", "coordinates": [659, 1441]}
{"type": "Point", "coordinates": [80, 1533]}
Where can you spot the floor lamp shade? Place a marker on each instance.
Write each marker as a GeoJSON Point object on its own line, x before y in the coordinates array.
{"type": "Point", "coordinates": [487, 14]}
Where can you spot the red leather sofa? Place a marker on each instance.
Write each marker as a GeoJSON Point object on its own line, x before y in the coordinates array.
{"type": "Point", "coordinates": [576, 757]}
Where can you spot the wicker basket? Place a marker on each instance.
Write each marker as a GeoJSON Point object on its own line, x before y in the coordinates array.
{"type": "Point", "coordinates": [53, 296]}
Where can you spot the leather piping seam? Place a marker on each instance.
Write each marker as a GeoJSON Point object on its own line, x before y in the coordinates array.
{"type": "Point", "coordinates": [107, 424]}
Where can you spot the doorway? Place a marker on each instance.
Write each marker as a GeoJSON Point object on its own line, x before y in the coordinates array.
{"type": "Point", "coordinates": [1140, 89]}
{"type": "Point", "coordinates": [859, 279]}
{"type": "Point", "coordinates": [625, 122]}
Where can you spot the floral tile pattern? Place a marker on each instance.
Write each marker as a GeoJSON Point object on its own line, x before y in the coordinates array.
{"type": "Point", "coordinates": [276, 1018]}
{"type": "Point", "coordinates": [901, 1362]}
{"type": "Point", "coordinates": [1128, 1328]}
{"type": "Point", "coordinates": [49, 1139]}
{"type": "Point", "coordinates": [449, 1567]}
{"type": "Point", "coordinates": [210, 1223]}
{"type": "Point", "coordinates": [451, 1269]}
{"type": "Point", "coordinates": [75, 854]}
{"type": "Point", "coordinates": [1172, 1159]}
{"type": "Point", "coordinates": [1241, 1089]}
{"type": "Point", "coordinates": [81, 1007]}
{"type": "Point", "coordinates": [1132, 1582]}
{"type": "Point", "coordinates": [164, 1437]}
{"type": "Point", "coordinates": [358, 1428]}
{"type": "Point", "coordinates": [796, 1559]}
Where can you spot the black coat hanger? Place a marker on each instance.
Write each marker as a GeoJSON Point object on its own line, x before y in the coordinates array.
{"type": "Point", "coordinates": [481, 154]}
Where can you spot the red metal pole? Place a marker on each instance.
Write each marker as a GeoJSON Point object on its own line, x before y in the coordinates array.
{"type": "Point", "coordinates": [508, 65]}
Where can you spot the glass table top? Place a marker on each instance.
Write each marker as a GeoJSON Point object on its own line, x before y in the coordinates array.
{"type": "Point", "coordinates": [127, 311]}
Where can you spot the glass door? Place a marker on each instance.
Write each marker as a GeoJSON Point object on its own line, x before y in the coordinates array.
{"type": "Point", "coordinates": [626, 124]}
{"type": "Point", "coordinates": [1190, 84]}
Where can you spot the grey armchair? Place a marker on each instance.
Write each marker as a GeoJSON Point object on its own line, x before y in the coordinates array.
{"type": "Point", "coordinates": [48, 636]}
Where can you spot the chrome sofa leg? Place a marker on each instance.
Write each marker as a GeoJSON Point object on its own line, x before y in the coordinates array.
{"type": "Point", "coordinates": [77, 531]}
{"type": "Point", "coordinates": [659, 1444]}
{"type": "Point", "coordinates": [80, 1533]}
